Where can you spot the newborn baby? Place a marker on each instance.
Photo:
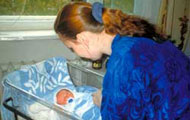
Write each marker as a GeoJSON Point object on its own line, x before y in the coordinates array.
{"type": "Point", "coordinates": [50, 81]}
{"type": "Point", "coordinates": [64, 97]}
{"type": "Point", "coordinates": [77, 101]}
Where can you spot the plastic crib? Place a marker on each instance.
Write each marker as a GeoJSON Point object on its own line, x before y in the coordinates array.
{"type": "Point", "coordinates": [16, 100]}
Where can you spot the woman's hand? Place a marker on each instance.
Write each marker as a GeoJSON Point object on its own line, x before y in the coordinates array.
{"type": "Point", "coordinates": [97, 97]}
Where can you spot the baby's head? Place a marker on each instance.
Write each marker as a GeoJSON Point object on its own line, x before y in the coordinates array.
{"type": "Point", "coordinates": [64, 96]}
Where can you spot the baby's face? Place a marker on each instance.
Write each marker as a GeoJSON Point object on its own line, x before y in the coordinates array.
{"type": "Point", "coordinates": [64, 96]}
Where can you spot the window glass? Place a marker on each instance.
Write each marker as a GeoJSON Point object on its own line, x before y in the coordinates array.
{"type": "Point", "coordinates": [51, 7]}
{"type": "Point", "coordinates": [17, 15]}
{"type": "Point", "coordinates": [31, 7]}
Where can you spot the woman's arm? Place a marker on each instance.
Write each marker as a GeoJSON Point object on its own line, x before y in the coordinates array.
{"type": "Point", "coordinates": [97, 97]}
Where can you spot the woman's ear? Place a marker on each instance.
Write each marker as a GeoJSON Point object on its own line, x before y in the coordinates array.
{"type": "Point", "coordinates": [83, 38]}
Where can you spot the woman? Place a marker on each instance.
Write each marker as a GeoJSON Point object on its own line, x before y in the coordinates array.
{"type": "Point", "coordinates": [147, 77]}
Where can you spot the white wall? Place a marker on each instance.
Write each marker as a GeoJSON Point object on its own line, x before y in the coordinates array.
{"type": "Point", "coordinates": [177, 9]}
{"type": "Point", "coordinates": [187, 48]}
{"type": "Point", "coordinates": [28, 50]}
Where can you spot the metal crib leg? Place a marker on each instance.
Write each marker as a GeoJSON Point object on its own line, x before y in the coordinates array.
{"type": "Point", "coordinates": [14, 110]}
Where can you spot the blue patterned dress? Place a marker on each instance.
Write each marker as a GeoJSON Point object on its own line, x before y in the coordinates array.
{"type": "Point", "coordinates": [146, 80]}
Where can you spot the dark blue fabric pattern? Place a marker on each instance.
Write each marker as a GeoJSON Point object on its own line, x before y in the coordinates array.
{"type": "Point", "coordinates": [146, 81]}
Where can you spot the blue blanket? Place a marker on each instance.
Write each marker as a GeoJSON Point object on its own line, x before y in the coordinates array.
{"type": "Point", "coordinates": [44, 80]}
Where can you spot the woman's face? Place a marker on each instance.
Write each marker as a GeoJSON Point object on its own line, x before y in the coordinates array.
{"type": "Point", "coordinates": [85, 45]}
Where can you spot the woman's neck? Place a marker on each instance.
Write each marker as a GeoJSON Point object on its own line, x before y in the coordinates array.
{"type": "Point", "coordinates": [105, 41]}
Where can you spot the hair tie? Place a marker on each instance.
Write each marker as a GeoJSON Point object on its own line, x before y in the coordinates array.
{"type": "Point", "coordinates": [97, 11]}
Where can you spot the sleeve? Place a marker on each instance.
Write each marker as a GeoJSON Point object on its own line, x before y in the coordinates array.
{"type": "Point", "coordinates": [123, 88]}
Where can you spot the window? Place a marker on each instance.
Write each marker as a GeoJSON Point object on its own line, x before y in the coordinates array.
{"type": "Point", "coordinates": [51, 7]}
{"type": "Point", "coordinates": [29, 19]}
{"type": "Point", "coordinates": [31, 7]}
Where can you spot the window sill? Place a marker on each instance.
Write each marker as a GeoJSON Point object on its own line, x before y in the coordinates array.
{"type": "Point", "coordinates": [27, 28]}
{"type": "Point", "coordinates": [28, 35]}
{"type": "Point", "coordinates": [22, 23]}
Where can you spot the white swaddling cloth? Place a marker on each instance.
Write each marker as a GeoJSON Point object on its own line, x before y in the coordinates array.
{"type": "Point", "coordinates": [40, 112]}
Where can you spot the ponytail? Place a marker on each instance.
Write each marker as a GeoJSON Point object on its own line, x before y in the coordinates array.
{"type": "Point", "coordinates": [116, 22]}
{"type": "Point", "coordinates": [77, 17]}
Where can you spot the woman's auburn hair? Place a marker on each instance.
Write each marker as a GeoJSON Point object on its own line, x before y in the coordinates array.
{"type": "Point", "coordinates": [76, 17]}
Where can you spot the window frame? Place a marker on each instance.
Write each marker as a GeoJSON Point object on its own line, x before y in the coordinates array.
{"type": "Point", "coordinates": [27, 28]}
{"type": "Point", "coordinates": [12, 24]}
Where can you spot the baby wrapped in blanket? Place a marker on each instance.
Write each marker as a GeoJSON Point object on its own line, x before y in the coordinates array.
{"type": "Point", "coordinates": [59, 89]}
{"type": "Point", "coordinates": [49, 80]}
{"type": "Point", "coordinates": [76, 101]}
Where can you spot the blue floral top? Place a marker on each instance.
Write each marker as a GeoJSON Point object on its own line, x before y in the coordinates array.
{"type": "Point", "coordinates": [146, 81]}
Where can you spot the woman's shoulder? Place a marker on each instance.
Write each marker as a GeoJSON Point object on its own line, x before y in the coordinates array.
{"type": "Point", "coordinates": [144, 52]}
{"type": "Point", "coordinates": [123, 45]}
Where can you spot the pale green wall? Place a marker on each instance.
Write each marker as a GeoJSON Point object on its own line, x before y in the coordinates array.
{"type": "Point", "coordinates": [124, 5]}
